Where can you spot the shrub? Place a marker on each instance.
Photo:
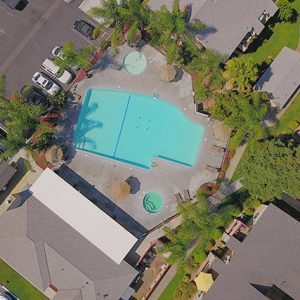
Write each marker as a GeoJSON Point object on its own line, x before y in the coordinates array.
{"type": "Point", "coordinates": [216, 234]}
{"type": "Point", "coordinates": [286, 11]}
{"type": "Point", "coordinates": [185, 291]}
{"type": "Point", "coordinates": [199, 256]}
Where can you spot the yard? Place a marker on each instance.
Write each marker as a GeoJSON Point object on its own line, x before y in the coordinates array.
{"type": "Point", "coordinates": [275, 37]}
{"type": "Point", "coordinates": [17, 284]}
{"type": "Point", "coordinates": [168, 293]}
{"type": "Point", "coordinates": [290, 119]}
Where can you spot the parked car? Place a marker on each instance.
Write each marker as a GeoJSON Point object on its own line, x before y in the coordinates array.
{"type": "Point", "coordinates": [57, 52]}
{"type": "Point", "coordinates": [46, 83]}
{"type": "Point", "coordinates": [5, 294]}
{"type": "Point", "coordinates": [60, 74]}
{"type": "Point", "coordinates": [84, 28]}
{"type": "Point", "coordinates": [13, 3]}
{"type": "Point", "coordinates": [33, 96]}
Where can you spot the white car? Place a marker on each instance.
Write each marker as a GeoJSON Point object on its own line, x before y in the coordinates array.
{"type": "Point", "coordinates": [56, 52]}
{"type": "Point", "coordinates": [46, 83]}
{"type": "Point", "coordinates": [60, 74]}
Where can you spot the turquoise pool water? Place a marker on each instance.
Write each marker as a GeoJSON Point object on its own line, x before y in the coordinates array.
{"type": "Point", "coordinates": [134, 128]}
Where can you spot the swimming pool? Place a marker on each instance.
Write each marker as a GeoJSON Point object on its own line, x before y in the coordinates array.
{"type": "Point", "coordinates": [134, 128]}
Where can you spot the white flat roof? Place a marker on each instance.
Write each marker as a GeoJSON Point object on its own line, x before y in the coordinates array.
{"type": "Point", "coordinates": [83, 216]}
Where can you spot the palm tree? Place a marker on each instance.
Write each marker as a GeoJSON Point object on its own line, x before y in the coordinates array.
{"type": "Point", "coordinates": [241, 72]}
{"type": "Point", "coordinates": [169, 28]}
{"type": "Point", "coordinates": [71, 57]}
{"type": "Point", "coordinates": [132, 13]}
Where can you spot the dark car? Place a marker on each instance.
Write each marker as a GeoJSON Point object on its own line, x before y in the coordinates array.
{"type": "Point", "coordinates": [84, 28]}
{"type": "Point", "coordinates": [14, 4]}
{"type": "Point", "coordinates": [34, 97]}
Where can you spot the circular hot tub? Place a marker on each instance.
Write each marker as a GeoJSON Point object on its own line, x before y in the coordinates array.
{"type": "Point", "coordinates": [135, 62]}
{"type": "Point", "coordinates": [153, 202]}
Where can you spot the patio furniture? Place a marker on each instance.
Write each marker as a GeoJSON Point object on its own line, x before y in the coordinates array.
{"type": "Point", "coordinates": [167, 73]}
{"type": "Point", "coordinates": [120, 189]}
{"type": "Point", "coordinates": [218, 149]}
{"type": "Point", "coordinates": [204, 281]}
{"type": "Point", "coordinates": [134, 184]}
{"type": "Point", "coordinates": [178, 198]}
{"type": "Point", "coordinates": [211, 168]}
{"type": "Point", "coordinates": [186, 195]}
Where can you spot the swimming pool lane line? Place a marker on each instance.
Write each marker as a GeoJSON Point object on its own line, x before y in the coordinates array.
{"type": "Point", "coordinates": [121, 129]}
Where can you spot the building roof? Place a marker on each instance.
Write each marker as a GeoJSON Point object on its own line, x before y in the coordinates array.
{"type": "Point", "coordinates": [281, 79]}
{"type": "Point", "coordinates": [52, 252]}
{"type": "Point", "coordinates": [6, 173]}
{"type": "Point", "coordinates": [268, 256]}
{"type": "Point", "coordinates": [195, 6]}
{"type": "Point", "coordinates": [82, 215]}
{"type": "Point", "coordinates": [227, 21]}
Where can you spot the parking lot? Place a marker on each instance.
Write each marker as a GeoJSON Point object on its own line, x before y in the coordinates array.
{"type": "Point", "coordinates": [28, 36]}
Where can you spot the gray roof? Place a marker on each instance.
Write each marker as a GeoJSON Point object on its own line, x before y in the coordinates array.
{"type": "Point", "coordinates": [228, 21]}
{"type": "Point", "coordinates": [282, 78]}
{"type": "Point", "coordinates": [54, 253]}
{"type": "Point", "coordinates": [6, 173]}
{"type": "Point", "coordinates": [194, 4]}
{"type": "Point", "coordinates": [268, 256]}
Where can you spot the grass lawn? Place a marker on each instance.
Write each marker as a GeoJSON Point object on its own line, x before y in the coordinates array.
{"type": "Point", "coordinates": [284, 34]}
{"type": "Point", "coordinates": [170, 289]}
{"type": "Point", "coordinates": [17, 284]}
{"type": "Point", "coordinates": [289, 121]}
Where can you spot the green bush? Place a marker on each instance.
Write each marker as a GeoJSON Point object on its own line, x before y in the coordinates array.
{"type": "Point", "coordinates": [185, 291]}
{"type": "Point", "coordinates": [199, 256]}
{"type": "Point", "coordinates": [286, 11]}
{"type": "Point", "coordinates": [216, 234]}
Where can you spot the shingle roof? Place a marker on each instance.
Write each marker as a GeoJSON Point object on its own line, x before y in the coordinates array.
{"type": "Point", "coordinates": [6, 173]}
{"type": "Point", "coordinates": [228, 21]}
{"type": "Point", "coordinates": [53, 252]}
{"type": "Point", "coordinates": [282, 78]}
{"type": "Point", "coordinates": [269, 255]}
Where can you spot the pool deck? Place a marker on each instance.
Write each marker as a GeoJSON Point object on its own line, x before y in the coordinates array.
{"type": "Point", "coordinates": [165, 177]}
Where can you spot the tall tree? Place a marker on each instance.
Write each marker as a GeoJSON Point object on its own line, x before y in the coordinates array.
{"type": "Point", "coordinates": [272, 168]}
{"type": "Point", "coordinates": [71, 57]}
{"type": "Point", "coordinates": [132, 13]}
{"type": "Point", "coordinates": [241, 72]}
{"type": "Point", "coordinates": [21, 119]}
{"type": "Point", "coordinates": [242, 112]}
{"type": "Point", "coordinates": [168, 28]}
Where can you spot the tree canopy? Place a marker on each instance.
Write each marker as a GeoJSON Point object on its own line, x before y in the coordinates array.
{"type": "Point", "coordinates": [241, 72]}
{"type": "Point", "coordinates": [286, 11]}
{"type": "Point", "coordinates": [272, 168]}
{"type": "Point", "coordinates": [71, 57]}
{"type": "Point", "coordinates": [21, 119]}
{"type": "Point", "coordinates": [242, 112]}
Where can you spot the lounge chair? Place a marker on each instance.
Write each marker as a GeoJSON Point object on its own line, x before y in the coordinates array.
{"type": "Point", "coordinates": [218, 149]}
{"type": "Point", "coordinates": [212, 169]}
{"type": "Point", "coordinates": [186, 195]}
{"type": "Point", "coordinates": [178, 198]}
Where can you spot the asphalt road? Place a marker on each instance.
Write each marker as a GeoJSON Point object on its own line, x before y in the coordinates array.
{"type": "Point", "coordinates": [27, 37]}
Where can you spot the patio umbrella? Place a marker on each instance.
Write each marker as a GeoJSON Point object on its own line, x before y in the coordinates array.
{"type": "Point", "coordinates": [54, 154]}
{"type": "Point", "coordinates": [167, 73]}
{"type": "Point", "coordinates": [134, 184]}
{"type": "Point", "coordinates": [120, 189]}
{"type": "Point", "coordinates": [204, 281]}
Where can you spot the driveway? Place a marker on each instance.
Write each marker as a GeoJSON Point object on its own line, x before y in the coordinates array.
{"type": "Point", "coordinates": [27, 37]}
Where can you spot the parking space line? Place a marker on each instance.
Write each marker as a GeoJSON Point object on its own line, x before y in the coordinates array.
{"type": "Point", "coordinates": [87, 40]}
{"type": "Point", "coordinates": [29, 36]}
{"type": "Point", "coordinates": [10, 14]}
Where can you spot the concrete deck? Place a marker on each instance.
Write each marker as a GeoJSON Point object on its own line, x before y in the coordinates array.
{"type": "Point", "coordinates": [165, 177]}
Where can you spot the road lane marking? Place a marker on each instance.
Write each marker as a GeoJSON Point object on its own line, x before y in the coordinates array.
{"type": "Point", "coordinates": [29, 36]}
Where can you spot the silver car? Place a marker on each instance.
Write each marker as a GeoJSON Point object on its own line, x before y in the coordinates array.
{"type": "Point", "coordinates": [46, 83]}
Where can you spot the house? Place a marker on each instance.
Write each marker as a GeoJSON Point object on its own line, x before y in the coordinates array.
{"type": "Point", "coordinates": [6, 174]}
{"type": "Point", "coordinates": [281, 80]}
{"type": "Point", "coordinates": [265, 265]}
{"type": "Point", "coordinates": [231, 25]}
{"type": "Point", "coordinates": [66, 246]}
